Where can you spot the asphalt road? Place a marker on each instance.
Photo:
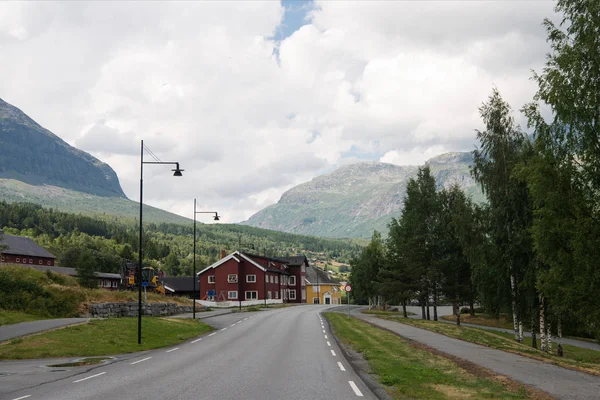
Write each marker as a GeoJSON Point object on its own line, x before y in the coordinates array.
{"type": "Point", "coordinates": [279, 354]}
{"type": "Point", "coordinates": [26, 328]}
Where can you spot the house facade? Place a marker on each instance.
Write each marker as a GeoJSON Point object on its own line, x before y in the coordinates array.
{"type": "Point", "coordinates": [248, 279]}
{"type": "Point", "coordinates": [24, 251]}
{"type": "Point", "coordinates": [321, 287]}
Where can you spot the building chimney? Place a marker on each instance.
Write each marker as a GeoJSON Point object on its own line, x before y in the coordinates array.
{"type": "Point", "coordinates": [223, 253]}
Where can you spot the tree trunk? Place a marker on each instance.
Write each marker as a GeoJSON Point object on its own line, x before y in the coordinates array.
{"type": "Point", "coordinates": [513, 288]}
{"type": "Point", "coordinates": [435, 298]}
{"type": "Point", "coordinates": [471, 300]}
{"type": "Point", "coordinates": [542, 326]}
{"type": "Point", "coordinates": [457, 311]}
{"type": "Point", "coordinates": [559, 349]}
{"type": "Point", "coordinates": [520, 331]}
{"type": "Point", "coordinates": [533, 338]}
{"type": "Point", "coordinates": [428, 314]}
{"type": "Point", "coordinates": [549, 338]}
{"type": "Point", "coordinates": [404, 308]}
{"type": "Point", "coordinates": [423, 307]}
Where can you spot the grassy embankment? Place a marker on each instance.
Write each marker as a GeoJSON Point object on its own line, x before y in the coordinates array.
{"type": "Point", "coordinates": [409, 371]}
{"type": "Point", "coordinates": [574, 357]}
{"type": "Point", "coordinates": [103, 337]}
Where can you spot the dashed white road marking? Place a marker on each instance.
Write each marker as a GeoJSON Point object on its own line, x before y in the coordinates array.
{"type": "Point", "coordinates": [239, 321]}
{"type": "Point", "coordinates": [325, 336]}
{"type": "Point", "coordinates": [139, 361]}
{"type": "Point", "coordinates": [332, 353]}
{"type": "Point", "coordinates": [324, 331]}
{"type": "Point", "coordinates": [355, 388]}
{"type": "Point", "coordinates": [341, 366]}
{"type": "Point", "coordinates": [197, 340]}
{"type": "Point", "coordinates": [328, 344]}
{"type": "Point", "coordinates": [245, 319]}
{"type": "Point", "coordinates": [85, 379]}
{"type": "Point", "coordinates": [21, 398]}
{"type": "Point", "coordinates": [232, 325]}
{"type": "Point", "coordinates": [213, 334]}
{"type": "Point", "coordinates": [168, 351]}
{"type": "Point", "coordinates": [224, 329]}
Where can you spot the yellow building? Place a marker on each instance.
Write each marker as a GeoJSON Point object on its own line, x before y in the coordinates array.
{"type": "Point", "coordinates": [321, 288]}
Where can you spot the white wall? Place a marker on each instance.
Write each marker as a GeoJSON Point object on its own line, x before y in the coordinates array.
{"type": "Point", "coordinates": [233, 303]}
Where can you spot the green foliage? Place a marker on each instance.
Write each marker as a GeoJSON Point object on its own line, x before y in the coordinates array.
{"type": "Point", "coordinates": [365, 269]}
{"type": "Point", "coordinates": [86, 265]}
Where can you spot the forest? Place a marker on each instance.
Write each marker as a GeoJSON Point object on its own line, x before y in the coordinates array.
{"type": "Point", "coordinates": [531, 249]}
{"type": "Point", "coordinates": [105, 245]}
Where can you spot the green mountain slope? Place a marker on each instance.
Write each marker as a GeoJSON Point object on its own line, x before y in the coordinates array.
{"type": "Point", "coordinates": [356, 199]}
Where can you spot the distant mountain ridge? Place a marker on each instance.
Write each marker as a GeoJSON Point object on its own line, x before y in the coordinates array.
{"type": "Point", "coordinates": [356, 199]}
{"type": "Point", "coordinates": [32, 154]}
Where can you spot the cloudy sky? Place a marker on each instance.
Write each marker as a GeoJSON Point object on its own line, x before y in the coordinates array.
{"type": "Point", "coordinates": [253, 98]}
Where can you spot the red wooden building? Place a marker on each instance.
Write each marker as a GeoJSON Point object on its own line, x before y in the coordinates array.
{"type": "Point", "coordinates": [248, 279]}
{"type": "Point", "coordinates": [23, 250]}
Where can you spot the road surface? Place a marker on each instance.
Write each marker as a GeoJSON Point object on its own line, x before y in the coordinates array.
{"type": "Point", "coordinates": [286, 353]}
{"type": "Point", "coordinates": [26, 328]}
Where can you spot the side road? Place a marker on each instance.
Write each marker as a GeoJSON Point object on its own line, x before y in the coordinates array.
{"type": "Point", "coordinates": [8, 332]}
{"type": "Point", "coordinates": [559, 382]}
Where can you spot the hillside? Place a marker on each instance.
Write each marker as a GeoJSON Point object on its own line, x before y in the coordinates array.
{"type": "Point", "coordinates": [355, 199]}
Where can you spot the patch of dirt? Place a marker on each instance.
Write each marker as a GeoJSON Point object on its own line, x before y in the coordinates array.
{"type": "Point", "coordinates": [453, 392]}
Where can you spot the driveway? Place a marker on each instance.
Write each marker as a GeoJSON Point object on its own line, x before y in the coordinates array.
{"type": "Point", "coordinates": [8, 332]}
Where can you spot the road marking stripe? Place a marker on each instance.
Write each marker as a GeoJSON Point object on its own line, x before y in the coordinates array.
{"type": "Point", "coordinates": [197, 340]}
{"type": "Point", "coordinates": [168, 351]}
{"type": "Point", "coordinates": [332, 353]}
{"type": "Point", "coordinates": [139, 361]}
{"type": "Point", "coordinates": [325, 336]}
{"type": "Point", "coordinates": [224, 329]}
{"type": "Point", "coordinates": [328, 344]}
{"type": "Point", "coordinates": [89, 377]}
{"type": "Point", "coordinates": [239, 321]}
{"type": "Point", "coordinates": [21, 398]}
{"type": "Point", "coordinates": [341, 366]}
{"type": "Point", "coordinates": [324, 331]}
{"type": "Point", "coordinates": [232, 325]}
{"type": "Point", "coordinates": [212, 334]}
{"type": "Point", "coordinates": [245, 319]}
{"type": "Point", "coordinates": [355, 388]}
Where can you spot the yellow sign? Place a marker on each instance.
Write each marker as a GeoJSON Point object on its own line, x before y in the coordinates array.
{"type": "Point", "coordinates": [131, 280]}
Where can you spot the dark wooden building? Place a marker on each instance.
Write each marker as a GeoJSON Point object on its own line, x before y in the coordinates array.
{"type": "Point", "coordinates": [23, 250]}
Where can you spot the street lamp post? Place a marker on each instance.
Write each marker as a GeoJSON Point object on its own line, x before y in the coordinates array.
{"type": "Point", "coordinates": [176, 172]}
{"type": "Point", "coordinates": [216, 218]}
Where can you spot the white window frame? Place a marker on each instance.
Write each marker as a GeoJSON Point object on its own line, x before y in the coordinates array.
{"type": "Point", "coordinates": [292, 280]}
{"type": "Point", "coordinates": [269, 295]}
{"type": "Point", "coordinates": [276, 294]}
{"type": "Point", "coordinates": [1, 258]}
{"type": "Point", "coordinates": [276, 279]}
{"type": "Point", "coordinates": [18, 259]}
{"type": "Point", "coordinates": [40, 263]}
{"type": "Point", "coordinates": [211, 279]}
{"type": "Point", "coordinates": [49, 263]}
{"type": "Point", "coordinates": [292, 294]}
{"type": "Point", "coordinates": [248, 280]}
{"type": "Point", "coordinates": [272, 279]}
{"type": "Point", "coordinates": [31, 261]}
{"type": "Point", "coordinates": [232, 295]}
{"type": "Point", "coordinates": [251, 297]}
{"type": "Point", "coordinates": [232, 280]}
{"type": "Point", "coordinates": [266, 278]}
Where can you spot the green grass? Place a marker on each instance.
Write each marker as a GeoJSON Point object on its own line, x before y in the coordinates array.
{"type": "Point", "coordinates": [14, 317]}
{"type": "Point", "coordinates": [576, 357]}
{"type": "Point", "coordinates": [104, 337]}
{"type": "Point", "coordinates": [410, 372]}
{"type": "Point", "coordinates": [483, 320]}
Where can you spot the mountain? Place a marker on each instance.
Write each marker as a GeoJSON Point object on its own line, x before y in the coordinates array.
{"type": "Point", "coordinates": [356, 199]}
{"type": "Point", "coordinates": [39, 167]}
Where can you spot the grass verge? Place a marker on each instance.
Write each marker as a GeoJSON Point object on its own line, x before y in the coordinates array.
{"type": "Point", "coordinates": [82, 363]}
{"type": "Point", "coordinates": [103, 337]}
{"type": "Point", "coordinates": [482, 319]}
{"type": "Point", "coordinates": [409, 371]}
{"type": "Point", "coordinates": [585, 360]}
{"type": "Point", "coordinates": [14, 317]}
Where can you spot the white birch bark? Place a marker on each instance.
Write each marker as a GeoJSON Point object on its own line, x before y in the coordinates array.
{"type": "Point", "coordinates": [520, 331]}
{"type": "Point", "coordinates": [559, 349]}
{"type": "Point", "coordinates": [513, 287]}
{"type": "Point", "coordinates": [549, 337]}
{"type": "Point", "coordinates": [542, 326]}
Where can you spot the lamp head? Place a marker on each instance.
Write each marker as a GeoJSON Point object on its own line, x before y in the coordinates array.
{"type": "Point", "coordinates": [216, 217]}
{"type": "Point", "coordinates": [177, 171]}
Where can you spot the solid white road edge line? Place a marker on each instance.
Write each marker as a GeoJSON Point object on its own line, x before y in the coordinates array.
{"type": "Point", "coordinates": [212, 334]}
{"type": "Point", "coordinates": [341, 366]}
{"type": "Point", "coordinates": [328, 344]}
{"type": "Point", "coordinates": [197, 340]}
{"type": "Point", "coordinates": [332, 353]}
{"type": "Point", "coordinates": [139, 361]}
{"type": "Point", "coordinates": [21, 398]}
{"type": "Point", "coordinates": [168, 351]}
{"type": "Point", "coordinates": [89, 377]}
{"type": "Point", "coordinates": [355, 388]}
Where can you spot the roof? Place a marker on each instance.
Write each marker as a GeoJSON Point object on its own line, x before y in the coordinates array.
{"type": "Point", "coordinates": [269, 268]}
{"type": "Point", "coordinates": [293, 261]}
{"type": "Point", "coordinates": [237, 256]}
{"type": "Point", "coordinates": [73, 271]}
{"type": "Point", "coordinates": [314, 275]}
{"type": "Point", "coordinates": [23, 246]}
{"type": "Point", "coordinates": [180, 283]}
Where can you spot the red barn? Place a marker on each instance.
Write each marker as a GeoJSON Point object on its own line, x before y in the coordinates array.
{"type": "Point", "coordinates": [23, 250]}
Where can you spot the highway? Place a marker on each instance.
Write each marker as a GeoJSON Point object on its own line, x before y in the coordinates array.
{"type": "Point", "coordinates": [286, 353]}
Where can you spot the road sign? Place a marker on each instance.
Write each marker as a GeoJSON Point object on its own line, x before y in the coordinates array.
{"type": "Point", "coordinates": [348, 288]}
{"type": "Point", "coordinates": [144, 284]}
{"type": "Point", "coordinates": [212, 292]}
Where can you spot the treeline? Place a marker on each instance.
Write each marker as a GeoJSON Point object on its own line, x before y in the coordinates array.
{"type": "Point", "coordinates": [532, 249]}
{"type": "Point", "coordinates": [106, 245]}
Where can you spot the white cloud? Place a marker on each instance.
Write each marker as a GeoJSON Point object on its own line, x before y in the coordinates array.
{"type": "Point", "coordinates": [201, 83]}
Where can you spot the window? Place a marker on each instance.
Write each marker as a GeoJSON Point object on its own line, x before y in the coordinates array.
{"type": "Point", "coordinates": [48, 262]}
{"type": "Point", "coordinates": [315, 300]}
{"type": "Point", "coordinates": [250, 278]}
{"type": "Point", "coordinates": [232, 278]}
{"type": "Point", "coordinates": [272, 279]}
{"type": "Point", "coordinates": [252, 295]}
{"type": "Point", "coordinates": [1, 258]}
{"type": "Point", "coordinates": [18, 259]}
{"type": "Point", "coordinates": [276, 279]}
{"type": "Point", "coordinates": [211, 279]}
{"type": "Point", "coordinates": [24, 261]}
{"type": "Point", "coordinates": [292, 281]}
{"type": "Point", "coordinates": [40, 262]}
{"type": "Point", "coordinates": [30, 261]}
{"type": "Point", "coordinates": [292, 295]}
{"type": "Point", "coordinates": [266, 278]}
{"type": "Point", "coordinates": [277, 294]}
{"type": "Point", "coordinates": [232, 295]}
{"type": "Point", "coordinates": [303, 294]}
{"type": "Point", "coordinates": [115, 284]}
{"type": "Point", "coordinates": [269, 295]}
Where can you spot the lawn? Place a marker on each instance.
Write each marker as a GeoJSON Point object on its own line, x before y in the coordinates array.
{"type": "Point", "coordinates": [379, 312]}
{"type": "Point", "coordinates": [411, 372]}
{"type": "Point", "coordinates": [14, 317]}
{"type": "Point", "coordinates": [575, 357]}
{"type": "Point", "coordinates": [103, 337]}
{"type": "Point", "coordinates": [482, 319]}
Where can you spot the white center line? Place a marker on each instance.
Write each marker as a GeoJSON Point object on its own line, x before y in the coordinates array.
{"type": "Point", "coordinates": [139, 361]}
{"type": "Point", "coordinates": [325, 336]}
{"type": "Point", "coordinates": [332, 353]}
{"type": "Point", "coordinates": [168, 351]}
{"type": "Point", "coordinates": [341, 366]}
{"type": "Point", "coordinates": [232, 325]}
{"type": "Point", "coordinates": [197, 340]}
{"type": "Point", "coordinates": [24, 397]}
{"type": "Point", "coordinates": [224, 329]}
{"type": "Point", "coordinates": [213, 334]}
{"type": "Point", "coordinates": [89, 377]}
{"type": "Point", "coordinates": [239, 321]}
{"type": "Point", "coordinates": [328, 344]}
{"type": "Point", "coordinates": [355, 388]}
{"type": "Point", "coordinates": [324, 331]}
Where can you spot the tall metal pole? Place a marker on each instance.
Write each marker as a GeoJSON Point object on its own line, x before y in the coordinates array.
{"type": "Point", "coordinates": [140, 260]}
{"type": "Point", "coordinates": [194, 275]}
